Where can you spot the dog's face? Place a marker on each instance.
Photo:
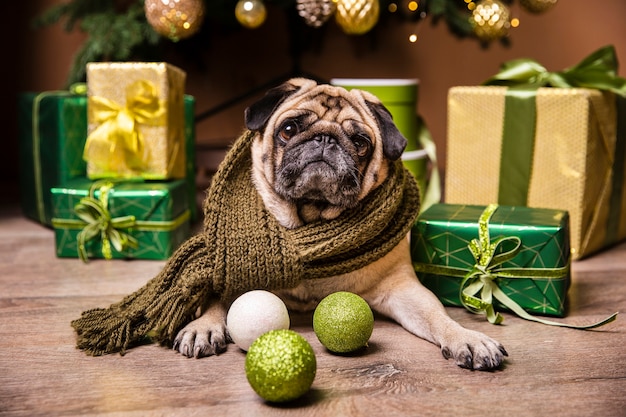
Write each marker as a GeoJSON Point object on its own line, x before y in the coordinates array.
{"type": "Point", "coordinates": [320, 149]}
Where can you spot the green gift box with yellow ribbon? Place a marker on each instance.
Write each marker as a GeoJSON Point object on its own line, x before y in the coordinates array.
{"type": "Point", "coordinates": [52, 131]}
{"type": "Point", "coordinates": [135, 120]}
{"type": "Point", "coordinates": [490, 258]}
{"type": "Point", "coordinates": [530, 137]}
{"type": "Point", "coordinates": [116, 219]}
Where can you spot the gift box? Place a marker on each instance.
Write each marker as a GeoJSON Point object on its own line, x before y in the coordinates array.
{"type": "Point", "coordinates": [498, 257]}
{"type": "Point", "coordinates": [120, 219]}
{"type": "Point", "coordinates": [135, 121]}
{"type": "Point", "coordinates": [52, 131]}
{"type": "Point", "coordinates": [529, 145]}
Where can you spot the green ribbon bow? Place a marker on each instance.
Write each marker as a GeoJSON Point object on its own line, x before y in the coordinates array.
{"type": "Point", "coordinates": [484, 275]}
{"type": "Point", "coordinates": [94, 211]}
{"type": "Point", "coordinates": [597, 71]}
{"type": "Point", "coordinates": [524, 77]}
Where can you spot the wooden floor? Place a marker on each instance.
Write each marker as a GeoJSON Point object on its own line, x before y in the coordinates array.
{"type": "Point", "coordinates": [550, 371]}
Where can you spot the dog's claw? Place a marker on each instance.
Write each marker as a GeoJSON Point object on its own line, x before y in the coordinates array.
{"type": "Point", "coordinates": [479, 353]}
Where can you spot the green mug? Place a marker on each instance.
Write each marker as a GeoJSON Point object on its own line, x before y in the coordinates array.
{"type": "Point", "coordinates": [399, 96]}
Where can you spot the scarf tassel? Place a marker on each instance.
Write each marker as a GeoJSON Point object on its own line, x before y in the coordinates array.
{"type": "Point", "coordinates": [154, 313]}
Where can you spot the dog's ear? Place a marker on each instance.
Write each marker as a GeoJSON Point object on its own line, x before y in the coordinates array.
{"type": "Point", "coordinates": [394, 142]}
{"type": "Point", "coordinates": [258, 113]}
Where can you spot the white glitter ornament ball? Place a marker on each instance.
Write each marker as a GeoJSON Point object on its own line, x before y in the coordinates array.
{"type": "Point", "coordinates": [253, 314]}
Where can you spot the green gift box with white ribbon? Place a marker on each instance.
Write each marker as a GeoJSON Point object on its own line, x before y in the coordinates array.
{"type": "Point", "coordinates": [120, 219]}
{"type": "Point", "coordinates": [500, 253]}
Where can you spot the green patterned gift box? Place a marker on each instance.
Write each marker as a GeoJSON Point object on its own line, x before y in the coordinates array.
{"type": "Point", "coordinates": [120, 219]}
{"type": "Point", "coordinates": [489, 258]}
{"type": "Point", "coordinates": [52, 132]}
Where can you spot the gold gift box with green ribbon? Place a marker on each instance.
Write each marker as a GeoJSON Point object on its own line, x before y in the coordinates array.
{"type": "Point", "coordinates": [530, 137]}
{"type": "Point", "coordinates": [120, 219]}
{"type": "Point", "coordinates": [135, 120]}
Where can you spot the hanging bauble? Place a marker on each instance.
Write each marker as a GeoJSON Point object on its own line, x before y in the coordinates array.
{"type": "Point", "coordinates": [176, 19]}
{"type": "Point", "coordinates": [491, 20]}
{"type": "Point", "coordinates": [356, 17]}
{"type": "Point", "coordinates": [537, 6]}
{"type": "Point", "coordinates": [250, 13]}
{"type": "Point", "coordinates": [316, 12]}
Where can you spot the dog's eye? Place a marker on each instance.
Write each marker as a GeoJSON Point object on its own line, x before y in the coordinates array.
{"type": "Point", "coordinates": [362, 144]}
{"type": "Point", "coordinates": [288, 130]}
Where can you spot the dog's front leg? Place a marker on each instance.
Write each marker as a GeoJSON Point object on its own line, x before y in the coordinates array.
{"type": "Point", "coordinates": [403, 298]}
{"type": "Point", "coordinates": [419, 311]}
{"type": "Point", "coordinates": [206, 335]}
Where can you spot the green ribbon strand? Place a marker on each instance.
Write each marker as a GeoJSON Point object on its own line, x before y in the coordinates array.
{"type": "Point", "coordinates": [94, 212]}
{"type": "Point", "coordinates": [518, 142]}
{"type": "Point", "coordinates": [482, 278]}
{"type": "Point", "coordinates": [617, 174]}
{"type": "Point", "coordinates": [524, 77]}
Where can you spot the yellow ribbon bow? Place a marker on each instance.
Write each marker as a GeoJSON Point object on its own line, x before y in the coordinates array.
{"type": "Point", "coordinates": [117, 144]}
{"type": "Point", "coordinates": [94, 211]}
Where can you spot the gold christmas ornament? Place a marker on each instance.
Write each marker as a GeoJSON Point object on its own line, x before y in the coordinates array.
{"type": "Point", "coordinates": [316, 12]}
{"type": "Point", "coordinates": [537, 6]}
{"type": "Point", "coordinates": [491, 20]}
{"type": "Point", "coordinates": [175, 19]}
{"type": "Point", "coordinates": [356, 17]}
{"type": "Point", "coordinates": [250, 13]}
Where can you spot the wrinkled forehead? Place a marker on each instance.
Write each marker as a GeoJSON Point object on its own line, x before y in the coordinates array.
{"type": "Point", "coordinates": [332, 103]}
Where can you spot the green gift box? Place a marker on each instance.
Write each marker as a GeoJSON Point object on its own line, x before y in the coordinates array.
{"type": "Point", "coordinates": [120, 219]}
{"type": "Point", "coordinates": [52, 133]}
{"type": "Point", "coordinates": [514, 258]}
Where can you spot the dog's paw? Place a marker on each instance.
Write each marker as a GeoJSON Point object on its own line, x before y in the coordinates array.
{"type": "Point", "coordinates": [199, 339]}
{"type": "Point", "coordinates": [474, 350]}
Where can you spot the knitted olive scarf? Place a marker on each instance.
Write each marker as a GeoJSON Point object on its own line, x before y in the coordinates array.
{"type": "Point", "coordinates": [243, 248]}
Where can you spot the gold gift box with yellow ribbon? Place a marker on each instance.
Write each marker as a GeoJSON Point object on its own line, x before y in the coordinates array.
{"type": "Point", "coordinates": [135, 120]}
{"type": "Point", "coordinates": [574, 156]}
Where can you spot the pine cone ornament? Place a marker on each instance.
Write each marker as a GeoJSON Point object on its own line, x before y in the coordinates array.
{"type": "Point", "coordinates": [316, 12]}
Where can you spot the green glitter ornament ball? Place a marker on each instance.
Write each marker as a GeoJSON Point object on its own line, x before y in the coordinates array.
{"type": "Point", "coordinates": [280, 365]}
{"type": "Point", "coordinates": [343, 322]}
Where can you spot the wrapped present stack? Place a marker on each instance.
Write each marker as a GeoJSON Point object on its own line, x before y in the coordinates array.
{"type": "Point", "coordinates": [535, 179]}
{"type": "Point", "coordinates": [530, 137]}
{"type": "Point", "coordinates": [112, 167]}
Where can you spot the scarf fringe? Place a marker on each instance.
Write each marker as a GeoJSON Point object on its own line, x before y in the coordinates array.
{"type": "Point", "coordinates": [156, 312]}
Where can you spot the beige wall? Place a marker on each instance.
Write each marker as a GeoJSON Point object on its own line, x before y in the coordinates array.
{"type": "Point", "coordinates": [558, 39]}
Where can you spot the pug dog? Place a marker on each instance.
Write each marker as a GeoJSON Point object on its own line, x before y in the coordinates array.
{"type": "Point", "coordinates": [319, 150]}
